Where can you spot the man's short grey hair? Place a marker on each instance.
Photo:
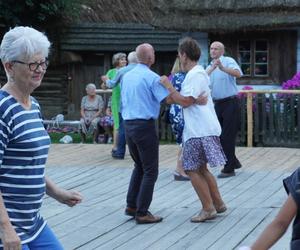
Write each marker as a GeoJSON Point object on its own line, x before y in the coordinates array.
{"type": "Point", "coordinates": [132, 58]}
{"type": "Point", "coordinates": [22, 43]}
{"type": "Point", "coordinates": [116, 57]}
{"type": "Point", "coordinates": [90, 86]}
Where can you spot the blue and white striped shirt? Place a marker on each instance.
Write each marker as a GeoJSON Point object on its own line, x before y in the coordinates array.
{"type": "Point", "coordinates": [24, 145]}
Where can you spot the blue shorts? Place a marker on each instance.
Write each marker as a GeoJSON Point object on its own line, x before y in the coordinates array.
{"type": "Point", "coordinates": [45, 240]}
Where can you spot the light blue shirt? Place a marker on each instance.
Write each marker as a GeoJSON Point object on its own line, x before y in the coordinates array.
{"type": "Point", "coordinates": [120, 73]}
{"type": "Point", "coordinates": [222, 84]}
{"type": "Point", "coordinates": [141, 94]}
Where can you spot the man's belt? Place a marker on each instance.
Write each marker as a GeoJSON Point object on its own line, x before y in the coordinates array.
{"type": "Point", "coordinates": [226, 99]}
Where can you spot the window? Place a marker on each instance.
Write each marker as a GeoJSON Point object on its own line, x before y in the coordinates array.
{"type": "Point", "coordinates": [254, 57]}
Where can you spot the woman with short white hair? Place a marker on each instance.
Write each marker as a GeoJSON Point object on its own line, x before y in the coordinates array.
{"type": "Point", "coordinates": [92, 106]}
{"type": "Point", "coordinates": [24, 145]}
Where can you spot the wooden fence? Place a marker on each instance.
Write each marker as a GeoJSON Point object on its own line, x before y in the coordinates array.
{"type": "Point", "coordinates": [268, 118]}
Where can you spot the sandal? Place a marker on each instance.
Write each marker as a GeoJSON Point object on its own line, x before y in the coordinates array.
{"type": "Point", "coordinates": [180, 177]}
{"type": "Point", "coordinates": [204, 215]}
{"type": "Point", "coordinates": [221, 209]}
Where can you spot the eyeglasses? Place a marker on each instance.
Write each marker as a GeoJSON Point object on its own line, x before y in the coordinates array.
{"type": "Point", "coordinates": [35, 65]}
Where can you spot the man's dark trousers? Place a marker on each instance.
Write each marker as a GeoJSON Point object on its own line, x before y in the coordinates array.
{"type": "Point", "coordinates": [228, 113]}
{"type": "Point", "coordinates": [143, 144]}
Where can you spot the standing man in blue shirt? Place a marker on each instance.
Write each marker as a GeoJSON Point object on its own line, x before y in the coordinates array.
{"type": "Point", "coordinates": [223, 72]}
{"type": "Point", "coordinates": [119, 153]}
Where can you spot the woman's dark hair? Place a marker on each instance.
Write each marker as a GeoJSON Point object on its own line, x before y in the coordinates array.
{"type": "Point", "coordinates": [190, 47]}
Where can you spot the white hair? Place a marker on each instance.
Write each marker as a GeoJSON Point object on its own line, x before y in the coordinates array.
{"type": "Point", "coordinates": [90, 86]}
{"type": "Point", "coordinates": [132, 58]}
{"type": "Point", "coordinates": [22, 43]}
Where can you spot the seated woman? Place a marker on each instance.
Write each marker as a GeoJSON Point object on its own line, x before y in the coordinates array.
{"type": "Point", "coordinates": [91, 110]}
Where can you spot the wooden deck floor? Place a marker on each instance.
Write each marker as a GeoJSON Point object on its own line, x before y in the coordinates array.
{"type": "Point", "coordinates": [253, 198]}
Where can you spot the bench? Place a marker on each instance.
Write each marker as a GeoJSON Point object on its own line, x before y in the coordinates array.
{"type": "Point", "coordinates": [71, 123]}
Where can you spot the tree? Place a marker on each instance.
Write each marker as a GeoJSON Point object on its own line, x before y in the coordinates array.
{"type": "Point", "coordinates": [43, 14]}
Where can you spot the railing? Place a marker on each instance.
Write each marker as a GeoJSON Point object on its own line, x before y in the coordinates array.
{"type": "Point", "coordinates": [272, 118]}
{"type": "Point", "coordinates": [267, 119]}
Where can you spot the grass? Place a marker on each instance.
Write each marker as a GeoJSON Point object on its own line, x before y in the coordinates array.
{"type": "Point", "coordinates": [56, 136]}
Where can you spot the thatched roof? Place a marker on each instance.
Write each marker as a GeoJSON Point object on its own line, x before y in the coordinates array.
{"type": "Point", "coordinates": [225, 15]}
{"type": "Point", "coordinates": [195, 15]}
{"type": "Point", "coordinates": [117, 11]}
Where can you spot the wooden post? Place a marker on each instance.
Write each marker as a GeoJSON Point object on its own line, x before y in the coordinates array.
{"type": "Point", "coordinates": [249, 120]}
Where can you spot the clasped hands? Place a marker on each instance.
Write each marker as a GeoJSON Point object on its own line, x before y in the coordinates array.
{"type": "Point", "coordinates": [217, 63]}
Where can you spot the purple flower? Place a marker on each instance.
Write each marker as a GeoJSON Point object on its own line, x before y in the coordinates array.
{"type": "Point", "coordinates": [243, 95]}
{"type": "Point", "coordinates": [293, 83]}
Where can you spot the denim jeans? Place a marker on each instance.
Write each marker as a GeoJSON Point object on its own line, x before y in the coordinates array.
{"type": "Point", "coordinates": [143, 144]}
{"type": "Point", "coordinates": [121, 147]}
{"type": "Point", "coordinates": [45, 240]}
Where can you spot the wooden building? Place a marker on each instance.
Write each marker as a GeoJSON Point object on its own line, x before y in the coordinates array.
{"type": "Point", "coordinates": [87, 50]}
{"type": "Point", "coordinates": [263, 36]}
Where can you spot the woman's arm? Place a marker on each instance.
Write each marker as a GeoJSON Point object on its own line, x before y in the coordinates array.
{"type": "Point", "coordinates": [82, 112]}
{"type": "Point", "coordinates": [8, 235]}
{"type": "Point", "coordinates": [176, 97]}
{"type": "Point", "coordinates": [277, 227]}
{"type": "Point", "coordinates": [70, 198]}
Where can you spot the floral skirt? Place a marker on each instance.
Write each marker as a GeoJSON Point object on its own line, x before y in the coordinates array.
{"type": "Point", "coordinates": [199, 151]}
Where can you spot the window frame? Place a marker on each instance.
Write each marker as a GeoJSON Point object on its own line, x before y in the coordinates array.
{"type": "Point", "coordinates": [253, 53]}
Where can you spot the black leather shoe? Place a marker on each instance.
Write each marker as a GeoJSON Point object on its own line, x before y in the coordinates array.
{"type": "Point", "coordinates": [147, 219]}
{"type": "Point", "coordinates": [130, 211]}
{"type": "Point", "coordinates": [237, 165]}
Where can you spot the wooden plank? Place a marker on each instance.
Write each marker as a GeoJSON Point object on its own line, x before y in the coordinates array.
{"type": "Point", "coordinates": [283, 243]}
{"type": "Point", "coordinates": [253, 197]}
{"type": "Point", "coordinates": [204, 234]}
{"type": "Point", "coordinates": [239, 230]}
